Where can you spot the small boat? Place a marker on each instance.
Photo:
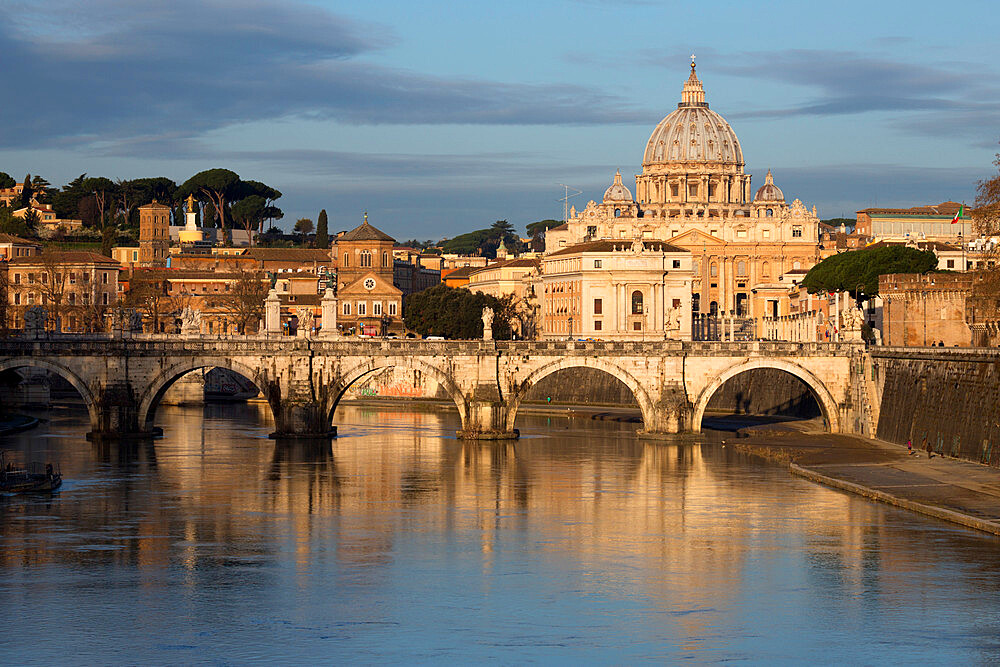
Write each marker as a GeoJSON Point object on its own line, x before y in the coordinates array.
{"type": "Point", "coordinates": [26, 480]}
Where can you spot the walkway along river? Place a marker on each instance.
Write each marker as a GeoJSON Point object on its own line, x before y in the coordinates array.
{"type": "Point", "coordinates": [400, 543]}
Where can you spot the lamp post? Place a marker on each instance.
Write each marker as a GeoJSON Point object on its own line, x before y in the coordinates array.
{"type": "Point", "coordinates": [570, 327]}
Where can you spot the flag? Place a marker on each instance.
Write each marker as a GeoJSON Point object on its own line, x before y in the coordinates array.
{"type": "Point", "coordinates": [958, 215]}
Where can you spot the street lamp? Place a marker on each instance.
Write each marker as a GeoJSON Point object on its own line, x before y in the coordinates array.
{"type": "Point", "coordinates": [570, 322]}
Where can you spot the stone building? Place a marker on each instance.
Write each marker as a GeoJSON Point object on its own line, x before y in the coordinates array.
{"type": "Point", "coordinates": [925, 309]}
{"type": "Point", "coordinates": [14, 246]}
{"type": "Point", "coordinates": [77, 288]}
{"type": "Point", "coordinates": [617, 290]}
{"type": "Point", "coordinates": [693, 192]}
{"type": "Point", "coordinates": [918, 222]}
{"type": "Point", "coordinates": [154, 234]}
{"type": "Point", "coordinates": [369, 302]}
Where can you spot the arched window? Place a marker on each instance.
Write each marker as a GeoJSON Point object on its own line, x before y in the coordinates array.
{"type": "Point", "coordinates": [769, 213]}
{"type": "Point", "coordinates": [714, 270]}
{"type": "Point", "coordinates": [347, 260]}
{"type": "Point", "coordinates": [741, 268]}
{"type": "Point", "coordinates": [385, 259]}
{"type": "Point", "coordinates": [713, 308]}
{"type": "Point", "coordinates": [765, 269]}
{"type": "Point", "coordinates": [796, 265]}
{"type": "Point", "coordinates": [637, 302]}
{"type": "Point", "coordinates": [366, 258]}
{"type": "Point", "coordinates": [618, 213]}
{"type": "Point", "coordinates": [696, 303]}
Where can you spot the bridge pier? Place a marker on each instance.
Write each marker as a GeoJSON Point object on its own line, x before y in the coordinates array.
{"type": "Point", "coordinates": [117, 416]}
{"type": "Point", "coordinates": [486, 416]}
{"type": "Point", "coordinates": [301, 419]}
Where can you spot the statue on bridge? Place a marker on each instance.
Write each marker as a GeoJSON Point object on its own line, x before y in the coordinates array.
{"type": "Point", "coordinates": [190, 321]}
{"type": "Point", "coordinates": [34, 321]}
{"type": "Point", "coordinates": [487, 323]}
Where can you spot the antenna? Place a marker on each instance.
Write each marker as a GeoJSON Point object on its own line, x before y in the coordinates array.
{"type": "Point", "coordinates": [565, 200]}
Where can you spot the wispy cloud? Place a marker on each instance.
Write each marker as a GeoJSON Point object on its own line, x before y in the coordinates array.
{"type": "Point", "coordinates": [130, 73]}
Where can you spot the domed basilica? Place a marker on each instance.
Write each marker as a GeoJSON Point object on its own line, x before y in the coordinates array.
{"type": "Point", "coordinates": [693, 193]}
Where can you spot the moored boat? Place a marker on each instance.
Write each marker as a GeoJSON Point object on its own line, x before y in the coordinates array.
{"type": "Point", "coordinates": [25, 480]}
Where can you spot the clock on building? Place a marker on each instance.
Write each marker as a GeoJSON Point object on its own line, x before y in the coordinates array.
{"type": "Point", "coordinates": [370, 284]}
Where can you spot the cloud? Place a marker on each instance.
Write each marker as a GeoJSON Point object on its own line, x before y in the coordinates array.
{"type": "Point", "coordinates": [119, 71]}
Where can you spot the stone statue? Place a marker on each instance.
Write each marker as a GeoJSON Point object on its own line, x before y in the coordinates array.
{"type": "Point", "coordinates": [134, 321]}
{"type": "Point", "coordinates": [487, 323]}
{"type": "Point", "coordinates": [306, 321]}
{"type": "Point", "coordinates": [34, 320]}
{"type": "Point", "coordinates": [190, 321]}
{"type": "Point", "coordinates": [673, 318]}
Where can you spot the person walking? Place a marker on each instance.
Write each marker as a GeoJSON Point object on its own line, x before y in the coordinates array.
{"type": "Point", "coordinates": [927, 448]}
{"type": "Point", "coordinates": [909, 447]}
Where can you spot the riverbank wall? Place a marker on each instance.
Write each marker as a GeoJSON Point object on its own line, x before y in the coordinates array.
{"type": "Point", "coordinates": [949, 398]}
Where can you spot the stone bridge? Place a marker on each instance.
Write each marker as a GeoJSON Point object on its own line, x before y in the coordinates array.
{"type": "Point", "coordinates": [122, 380]}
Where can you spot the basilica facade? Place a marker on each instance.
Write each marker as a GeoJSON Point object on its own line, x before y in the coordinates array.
{"type": "Point", "coordinates": [693, 193]}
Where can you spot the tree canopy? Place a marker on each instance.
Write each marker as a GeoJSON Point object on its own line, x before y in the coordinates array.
{"type": "Point", "coordinates": [6, 181]}
{"type": "Point", "coordinates": [455, 313]}
{"type": "Point", "coordinates": [322, 230]}
{"type": "Point", "coordinates": [484, 242]}
{"type": "Point", "coordinates": [857, 271]}
{"type": "Point", "coordinates": [535, 228]}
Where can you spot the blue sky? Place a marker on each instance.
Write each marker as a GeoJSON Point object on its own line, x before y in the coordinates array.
{"type": "Point", "coordinates": [441, 117]}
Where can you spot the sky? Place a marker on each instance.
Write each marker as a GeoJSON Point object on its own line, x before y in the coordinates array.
{"type": "Point", "coordinates": [441, 117]}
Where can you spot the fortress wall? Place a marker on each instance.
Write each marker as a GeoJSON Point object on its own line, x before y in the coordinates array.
{"type": "Point", "coordinates": [952, 400]}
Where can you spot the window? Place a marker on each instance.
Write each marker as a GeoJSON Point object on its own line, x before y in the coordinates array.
{"type": "Point", "coordinates": [347, 308]}
{"type": "Point", "coordinates": [637, 302]}
{"type": "Point", "coordinates": [676, 264]}
{"type": "Point", "coordinates": [621, 233]}
{"type": "Point", "coordinates": [647, 234]}
{"type": "Point", "coordinates": [696, 303]}
{"type": "Point", "coordinates": [86, 299]}
{"type": "Point", "coordinates": [766, 233]}
{"type": "Point", "coordinates": [72, 278]}
{"type": "Point", "coordinates": [713, 270]}
{"type": "Point", "coordinates": [765, 269]}
{"type": "Point", "coordinates": [592, 230]}
{"type": "Point", "coordinates": [72, 299]}
{"type": "Point", "coordinates": [377, 308]}
{"type": "Point", "coordinates": [618, 213]}
{"type": "Point", "coordinates": [366, 258]}
{"type": "Point", "coordinates": [796, 232]}
{"type": "Point", "coordinates": [598, 307]}
{"type": "Point", "coordinates": [741, 233]}
{"type": "Point", "coordinates": [796, 265]}
{"type": "Point", "coordinates": [362, 308]}
{"type": "Point", "coordinates": [692, 189]}
{"type": "Point", "coordinates": [769, 213]}
{"type": "Point", "coordinates": [392, 307]}
{"type": "Point", "coordinates": [105, 298]}
{"type": "Point", "coordinates": [597, 263]}
{"type": "Point", "coordinates": [104, 278]}
{"type": "Point", "coordinates": [951, 264]}
{"type": "Point", "coordinates": [385, 259]}
{"type": "Point", "coordinates": [637, 326]}
{"type": "Point", "coordinates": [31, 278]}
{"type": "Point", "coordinates": [597, 325]}
{"type": "Point", "coordinates": [674, 190]}
{"type": "Point", "coordinates": [741, 268]}
{"type": "Point", "coordinates": [17, 298]}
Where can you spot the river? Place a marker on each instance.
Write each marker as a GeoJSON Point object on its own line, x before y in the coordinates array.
{"type": "Point", "coordinates": [577, 543]}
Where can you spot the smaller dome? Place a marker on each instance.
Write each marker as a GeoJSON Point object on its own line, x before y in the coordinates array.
{"type": "Point", "coordinates": [769, 191]}
{"type": "Point", "coordinates": [617, 191]}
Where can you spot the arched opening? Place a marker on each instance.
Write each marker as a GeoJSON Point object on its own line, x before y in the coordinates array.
{"type": "Point", "coordinates": [637, 302]}
{"type": "Point", "coordinates": [396, 381]}
{"type": "Point", "coordinates": [595, 387]}
{"type": "Point", "coordinates": [761, 392]}
{"type": "Point", "coordinates": [215, 381]}
{"type": "Point", "coordinates": [28, 386]}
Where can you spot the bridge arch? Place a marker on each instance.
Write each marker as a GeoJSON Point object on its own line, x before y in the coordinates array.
{"type": "Point", "coordinates": [615, 371]}
{"type": "Point", "coordinates": [352, 375]}
{"type": "Point", "coordinates": [826, 401]}
{"type": "Point", "coordinates": [70, 376]}
{"type": "Point", "coordinates": [157, 388]}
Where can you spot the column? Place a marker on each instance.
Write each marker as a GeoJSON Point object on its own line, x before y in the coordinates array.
{"type": "Point", "coordinates": [272, 313]}
{"type": "Point", "coordinates": [329, 314]}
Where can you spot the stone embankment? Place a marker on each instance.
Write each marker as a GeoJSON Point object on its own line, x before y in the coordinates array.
{"type": "Point", "coordinates": [947, 488]}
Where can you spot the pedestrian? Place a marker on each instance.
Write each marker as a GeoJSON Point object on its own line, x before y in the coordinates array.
{"type": "Point", "coordinates": [927, 448]}
{"type": "Point", "coordinates": [909, 447]}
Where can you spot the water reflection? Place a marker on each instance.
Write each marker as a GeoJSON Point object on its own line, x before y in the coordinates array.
{"type": "Point", "coordinates": [398, 542]}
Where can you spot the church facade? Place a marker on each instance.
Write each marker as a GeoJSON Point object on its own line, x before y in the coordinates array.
{"type": "Point", "coordinates": [694, 194]}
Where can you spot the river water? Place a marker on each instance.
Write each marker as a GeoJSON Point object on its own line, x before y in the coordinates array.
{"type": "Point", "coordinates": [578, 543]}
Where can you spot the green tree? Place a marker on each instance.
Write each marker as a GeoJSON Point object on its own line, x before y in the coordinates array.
{"type": "Point", "coordinates": [26, 192]}
{"type": "Point", "coordinates": [303, 226]}
{"type": "Point", "coordinates": [249, 212]}
{"type": "Point", "coordinates": [11, 224]}
{"type": "Point", "coordinates": [322, 230]}
{"type": "Point", "coordinates": [42, 189]}
{"type": "Point", "coordinates": [6, 181]}
{"type": "Point", "coordinates": [536, 228]}
{"type": "Point", "coordinates": [857, 271]}
{"type": "Point", "coordinates": [216, 187]}
{"type": "Point", "coordinates": [455, 313]}
{"type": "Point", "coordinates": [67, 202]}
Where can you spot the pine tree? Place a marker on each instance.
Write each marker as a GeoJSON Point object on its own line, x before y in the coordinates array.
{"type": "Point", "coordinates": [322, 232]}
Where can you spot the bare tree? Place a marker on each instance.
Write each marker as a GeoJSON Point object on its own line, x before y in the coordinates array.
{"type": "Point", "coordinates": [147, 293]}
{"type": "Point", "coordinates": [245, 300]}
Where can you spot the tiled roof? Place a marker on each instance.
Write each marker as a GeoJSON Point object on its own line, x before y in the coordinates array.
{"type": "Point", "coordinates": [67, 257]}
{"type": "Point", "coordinates": [461, 272]}
{"type": "Point", "coordinates": [10, 238]}
{"type": "Point", "coordinates": [365, 232]}
{"type": "Point", "coordinates": [288, 254]}
{"type": "Point", "coordinates": [500, 265]}
{"type": "Point", "coordinates": [610, 245]}
{"type": "Point", "coordinates": [944, 208]}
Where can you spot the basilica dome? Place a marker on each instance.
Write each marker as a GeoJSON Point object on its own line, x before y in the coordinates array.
{"type": "Point", "coordinates": [617, 192]}
{"type": "Point", "coordinates": [693, 132]}
{"type": "Point", "coordinates": [769, 192]}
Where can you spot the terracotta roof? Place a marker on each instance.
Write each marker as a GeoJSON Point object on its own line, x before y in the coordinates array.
{"type": "Point", "coordinates": [288, 254]}
{"type": "Point", "coordinates": [461, 272]}
{"type": "Point", "coordinates": [10, 238]}
{"type": "Point", "coordinates": [67, 257]}
{"type": "Point", "coordinates": [301, 299]}
{"type": "Point", "coordinates": [500, 265]}
{"type": "Point", "coordinates": [561, 228]}
{"type": "Point", "coordinates": [944, 208]}
{"type": "Point", "coordinates": [921, 245]}
{"type": "Point", "coordinates": [610, 245]}
{"type": "Point", "coordinates": [365, 232]}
